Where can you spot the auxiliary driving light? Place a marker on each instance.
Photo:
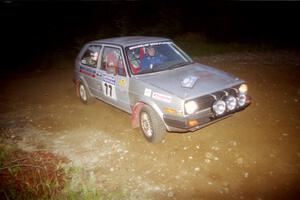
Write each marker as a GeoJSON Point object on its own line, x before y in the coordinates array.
{"type": "Point", "coordinates": [241, 99]}
{"type": "Point", "coordinates": [219, 107]}
{"type": "Point", "coordinates": [231, 102]}
{"type": "Point", "coordinates": [243, 89]}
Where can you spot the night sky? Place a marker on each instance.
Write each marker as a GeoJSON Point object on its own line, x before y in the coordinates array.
{"type": "Point", "coordinates": [33, 28]}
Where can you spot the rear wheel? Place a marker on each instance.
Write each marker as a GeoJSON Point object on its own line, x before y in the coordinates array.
{"type": "Point", "coordinates": [151, 125]}
{"type": "Point", "coordinates": [84, 95]}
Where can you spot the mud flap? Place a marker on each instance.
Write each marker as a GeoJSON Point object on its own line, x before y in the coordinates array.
{"type": "Point", "coordinates": [76, 85]}
{"type": "Point", "coordinates": [135, 122]}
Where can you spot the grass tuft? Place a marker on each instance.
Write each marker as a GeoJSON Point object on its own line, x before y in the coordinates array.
{"type": "Point", "coordinates": [43, 175]}
{"type": "Point", "coordinates": [31, 175]}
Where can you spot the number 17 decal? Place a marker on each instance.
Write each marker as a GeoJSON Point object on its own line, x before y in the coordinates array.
{"type": "Point", "coordinates": [109, 90]}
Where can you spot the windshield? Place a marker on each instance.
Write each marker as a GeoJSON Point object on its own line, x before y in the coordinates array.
{"type": "Point", "coordinates": [154, 57]}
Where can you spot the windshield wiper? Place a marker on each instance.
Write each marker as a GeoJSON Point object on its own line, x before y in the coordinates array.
{"type": "Point", "coordinates": [178, 65]}
{"type": "Point", "coordinates": [155, 68]}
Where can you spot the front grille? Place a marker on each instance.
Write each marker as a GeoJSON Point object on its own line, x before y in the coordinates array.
{"type": "Point", "coordinates": [207, 101]}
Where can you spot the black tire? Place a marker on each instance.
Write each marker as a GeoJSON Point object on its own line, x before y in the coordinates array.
{"type": "Point", "coordinates": [151, 125]}
{"type": "Point", "coordinates": [84, 95]}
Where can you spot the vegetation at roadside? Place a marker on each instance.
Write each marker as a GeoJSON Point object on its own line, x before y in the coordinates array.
{"type": "Point", "coordinates": [43, 175]}
{"type": "Point", "coordinates": [31, 175]}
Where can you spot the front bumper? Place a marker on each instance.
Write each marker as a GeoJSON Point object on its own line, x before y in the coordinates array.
{"type": "Point", "coordinates": [198, 120]}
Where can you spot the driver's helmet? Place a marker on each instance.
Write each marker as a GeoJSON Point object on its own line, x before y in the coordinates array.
{"type": "Point", "coordinates": [150, 50]}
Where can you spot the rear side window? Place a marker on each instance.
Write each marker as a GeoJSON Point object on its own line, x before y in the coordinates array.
{"type": "Point", "coordinates": [91, 56]}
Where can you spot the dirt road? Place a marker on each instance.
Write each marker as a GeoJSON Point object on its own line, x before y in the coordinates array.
{"type": "Point", "coordinates": [254, 154]}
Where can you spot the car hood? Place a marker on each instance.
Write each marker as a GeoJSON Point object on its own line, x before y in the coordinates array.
{"type": "Point", "coordinates": [191, 81]}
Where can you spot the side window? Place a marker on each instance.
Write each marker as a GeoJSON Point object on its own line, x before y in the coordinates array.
{"type": "Point", "coordinates": [90, 56]}
{"type": "Point", "coordinates": [135, 57]}
{"type": "Point", "coordinates": [112, 61]}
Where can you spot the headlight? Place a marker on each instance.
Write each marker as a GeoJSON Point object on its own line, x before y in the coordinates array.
{"type": "Point", "coordinates": [243, 89]}
{"type": "Point", "coordinates": [219, 107]}
{"type": "Point", "coordinates": [241, 99]}
{"type": "Point", "coordinates": [231, 102]}
{"type": "Point", "coordinates": [190, 107]}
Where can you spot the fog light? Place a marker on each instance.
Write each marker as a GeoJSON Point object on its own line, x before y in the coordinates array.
{"type": "Point", "coordinates": [230, 102]}
{"type": "Point", "coordinates": [193, 123]}
{"type": "Point", "coordinates": [241, 99]}
{"type": "Point", "coordinates": [219, 107]}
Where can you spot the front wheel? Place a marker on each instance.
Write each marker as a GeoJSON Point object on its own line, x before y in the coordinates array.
{"type": "Point", "coordinates": [151, 125]}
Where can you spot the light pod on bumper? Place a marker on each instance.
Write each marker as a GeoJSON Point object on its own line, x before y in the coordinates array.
{"type": "Point", "coordinates": [241, 99]}
{"type": "Point", "coordinates": [219, 107]}
{"type": "Point", "coordinates": [231, 103]}
{"type": "Point", "coordinates": [243, 89]}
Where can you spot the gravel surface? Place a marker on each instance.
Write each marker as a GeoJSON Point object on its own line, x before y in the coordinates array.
{"type": "Point", "coordinates": [255, 154]}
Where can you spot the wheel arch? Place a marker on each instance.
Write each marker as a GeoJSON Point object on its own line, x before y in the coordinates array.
{"type": "Point", "coordinates": [135, 116]}
{"type": "Point", "coordinates": [77, 82]}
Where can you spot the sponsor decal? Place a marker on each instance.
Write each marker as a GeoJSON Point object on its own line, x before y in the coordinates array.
{"type": "Point", "coordinates": [147, 92]}
{"type": "Point", "coordinates": [161, 97]}
{"type": "Point", "coordinates": [158, 43]}
{"type": "Point", "coordinates": [109, 79]}
{"type": "Point", "coordinates": [189, 82]}
{"type": "Point", "coordinates": [148, 44]}
{"type": "Point", "coordinates": [122, 83]}
{"type": "Point", "coordinates": [87, 71]}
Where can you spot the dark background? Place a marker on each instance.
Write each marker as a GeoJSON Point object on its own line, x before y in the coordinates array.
{"type": "Point", "coordinates": [31, 30]}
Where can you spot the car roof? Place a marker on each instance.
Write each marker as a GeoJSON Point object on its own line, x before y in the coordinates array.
{"type": "Point", "coordinates": [131, 40]}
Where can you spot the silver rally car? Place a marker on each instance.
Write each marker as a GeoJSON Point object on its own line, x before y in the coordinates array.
{"type": "Point", "coordinates": [162, 88]}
